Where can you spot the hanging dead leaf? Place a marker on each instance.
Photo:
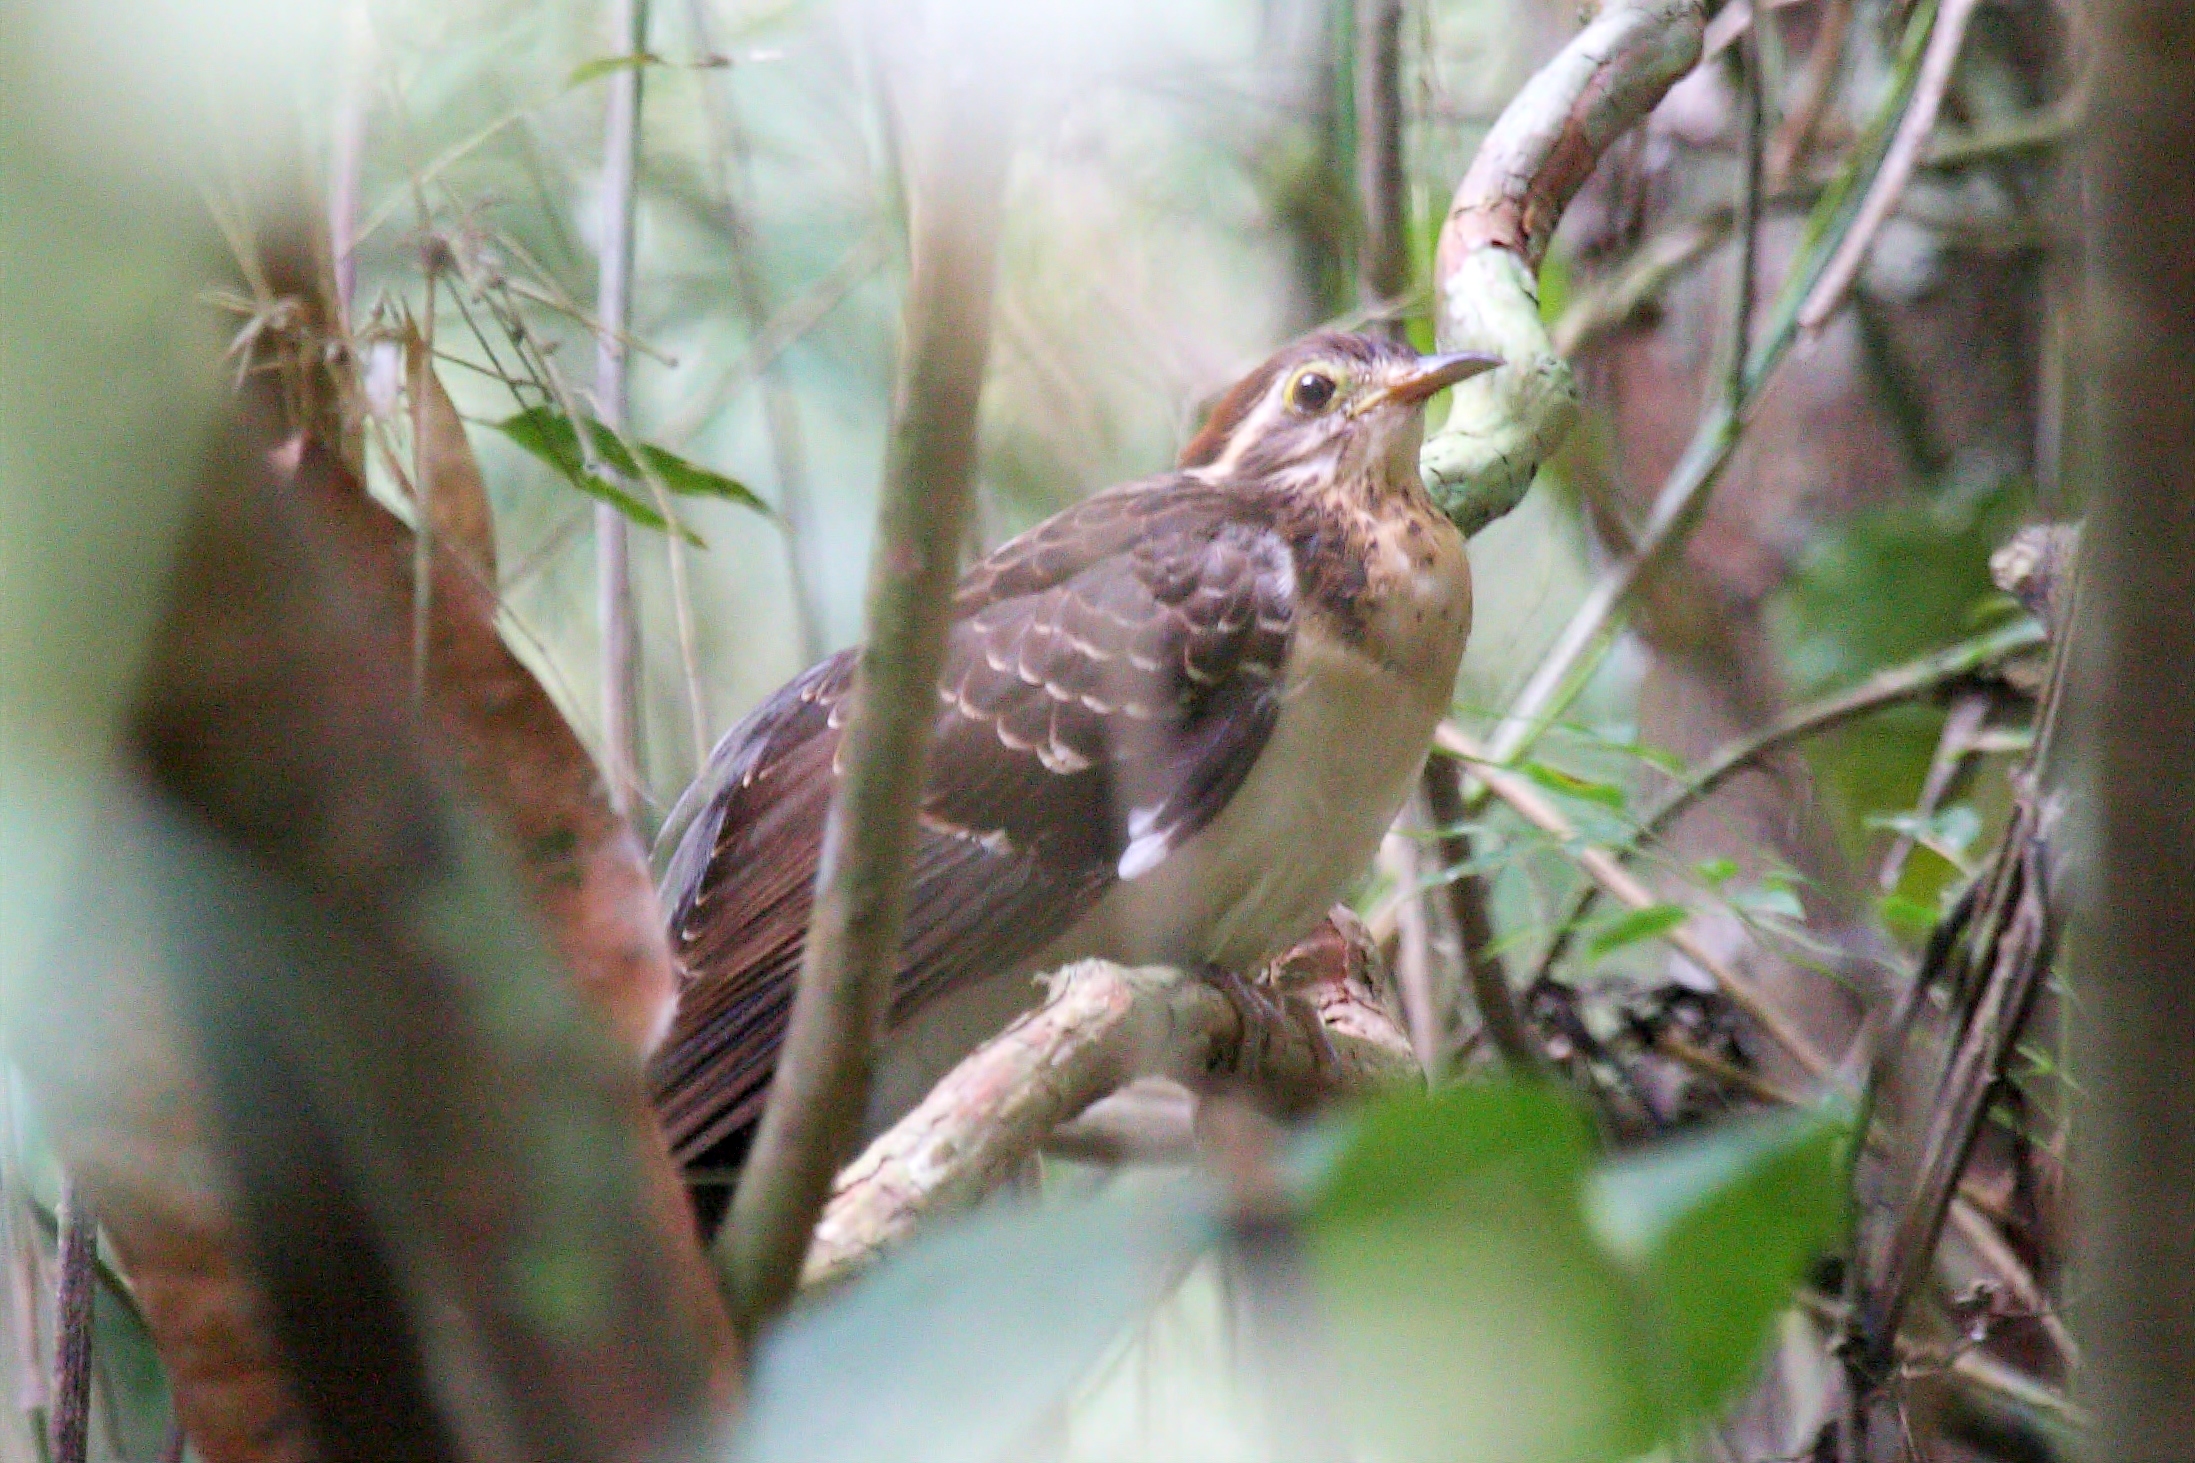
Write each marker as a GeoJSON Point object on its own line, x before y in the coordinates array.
{"type": "Point", "coordinates": [519, 756]}
{"type": "Point", "coordinates": [444, 471]}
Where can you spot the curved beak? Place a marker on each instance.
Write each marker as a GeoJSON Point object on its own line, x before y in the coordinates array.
{"type": "Point", "coordinates": [1437, 373]}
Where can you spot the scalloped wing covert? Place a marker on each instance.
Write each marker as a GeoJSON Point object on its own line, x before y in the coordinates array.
{"type": "Point", "coordinates": [1109, 680]}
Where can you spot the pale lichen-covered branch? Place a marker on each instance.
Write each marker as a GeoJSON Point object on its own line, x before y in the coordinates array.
{"type": "Point", "coordinates": [1501, 426]}
{"type": "Point", "coordinates": [1327, 1035]}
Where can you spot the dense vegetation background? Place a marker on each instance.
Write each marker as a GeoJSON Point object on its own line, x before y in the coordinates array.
{"type": "Point", "coordinates": [1841, 261]}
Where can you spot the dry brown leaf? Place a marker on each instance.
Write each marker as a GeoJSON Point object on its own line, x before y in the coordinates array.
{"type": "Point", "coordinates": [131, 1107]}
{"type": "Point", "coordinates": [444, 471]}
{"type": "Point", "coordinates": [520, 758]}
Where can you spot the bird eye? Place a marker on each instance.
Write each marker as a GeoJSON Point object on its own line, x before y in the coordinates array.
{"type": "Point", "coordinates": [1311, 393]}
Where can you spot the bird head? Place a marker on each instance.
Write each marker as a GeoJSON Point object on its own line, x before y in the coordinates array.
{"type": "Point", "coordinates": [1332, 410]}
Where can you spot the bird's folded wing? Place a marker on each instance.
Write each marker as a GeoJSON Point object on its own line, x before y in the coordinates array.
{"type": "Point", "coordinates": [1109, 680]}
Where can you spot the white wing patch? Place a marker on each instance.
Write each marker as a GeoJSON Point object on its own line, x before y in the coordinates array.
{"type": "Point", "coordinates": [1148, 844]}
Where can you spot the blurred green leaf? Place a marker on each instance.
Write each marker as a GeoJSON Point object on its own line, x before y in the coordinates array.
{"type": "Point", "coordinates": [1475, 1315]}
{"type": "Point", "coordinates": [1716, 872]}
{"type": "Point", "coordinates": [957, 1347]}
{"type": "Point", "coordinates": [550, 436]}
{"type": "Point", "coordinates": [602, 66]}
{"type": "Point", "coordinates": [1909, 917]}
{"type": "Point", "coordinates": [1639, 924]}
{"type": "Point", "coordinates": [1779, 900]}
{"type": "Point", "coordinates": [1569, 784]}
{"type": "Point", "coordinates": [1718, 1229]}
{"type": "Point", "coordinates": [1949, 833]}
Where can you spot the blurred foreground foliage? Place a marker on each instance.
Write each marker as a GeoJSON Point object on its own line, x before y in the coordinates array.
{"type": "Point", "coordinates": [1479, 1273]}
{"type": "Point", "coordinates": [1460, 1275]}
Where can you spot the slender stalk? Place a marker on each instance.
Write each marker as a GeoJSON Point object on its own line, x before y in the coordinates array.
{"type": "Point", "coordinates": [682, 609]}
{"type": "Point", "coordinates": [1683, 495]}
{"type": "Point", "coordinates": [1749, 211]}
{"type": "Point", "coordinates": [1894, 687]}
{"type": "Point", "coordinates": [1906, 148]}
{"type": "Point", "coordinates": [1383, 260]}
{"type": "Point", "coordinates": [347, 155]}
{"type": "Point", "coordinates": [957, 178]}
{"type": "Point", "coordinates": [1824, 64]}
{"type": "Point", "coordinates": [68, 1425]}
{"type": "Point", "coordinates": [613, 315]}
{"type": "Point", "coordinates": [732, 177]}
{"type": "Point", "coordinates": [1467, 902]}
{"type": "Point", "coordinates": [423, 526]}
{"type": "Point", "coordinates": [1953, 746]}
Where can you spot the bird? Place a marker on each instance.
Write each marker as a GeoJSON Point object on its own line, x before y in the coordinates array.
{"type": "Point", "coordinates": [1174, 721]}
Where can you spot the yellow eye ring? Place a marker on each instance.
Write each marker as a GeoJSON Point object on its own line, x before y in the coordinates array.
{"type": "Point", "coordinates": [1313, 391]}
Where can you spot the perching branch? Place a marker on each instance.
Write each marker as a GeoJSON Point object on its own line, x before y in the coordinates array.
{"type": "Point", "coordinates": [1104, 1026]}
{"type": "Point", "coordinates": [956, 178]}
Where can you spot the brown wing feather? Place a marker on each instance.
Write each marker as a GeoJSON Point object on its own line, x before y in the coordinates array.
{"type": "Point", "coordinates": [1109, 680]}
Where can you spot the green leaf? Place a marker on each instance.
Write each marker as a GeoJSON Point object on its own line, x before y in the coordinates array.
{"type": "Point", "coordinates": [602, 66]}
{"type": "Point", "coordinates": [1779, 900]}
{"type": "Point", "coordinates": [1909, 917]}
{"type": "Point", "coordinates": [1639, 924]}
{"type": "Point", "coordinates": [549, 435]}
{"type": "Point", "coordinates": [1499, 1293]}
{"type": "Point", "coordinates": [1569, 784]}
{"type": "Point", "coordinates": [957, 1347]}
{"type": "Point", "coordinates": [1717, 1230]}
{"type": "Point", "coordinates": [1716, 872]}
{"type": "Point", "coordinates": [1473, 1313]}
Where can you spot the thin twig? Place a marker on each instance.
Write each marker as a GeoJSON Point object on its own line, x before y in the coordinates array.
{"type": "Point", "coordinates": [1383, 263]}
{"type": "Point", "coordinates": [1906, 147]}
{"type": "Point", "coordinates": [1824, 64]}
{"type": "Point", "coordinates": [1602, 867]}
{"type": "Point", "coordinates": [821, 1086]}
{"type": "Point", "coordinates": [799, 315]}
{"type": "Point", "coordinates": [1749, 214]}
{"type": "Point", "coordinates": [1467, 896]}
{"type": "Point", "coordinates": [619, 665]}
{"type": "Point", "coordinates": [420, 355]}
{"type": "Point", "coordinates": [1960, 726]}
{"type": "Point", "coordinates": [1886, 688]}
{"type": "Point", "coordinates": [69, 1424]}
{"type": "Point", "coordinates": [347, 156]}
{"type": "Point", "coordinates": [1975, 1368]}
{"type": "Point", "coordinates": [1413, 953]}
{"type": "Point", "coordinates": [1896, 686]}
{"type": "Point", "coordinates": [731, 175]}
{"type": "Point", "coordinates": [682, 607]}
